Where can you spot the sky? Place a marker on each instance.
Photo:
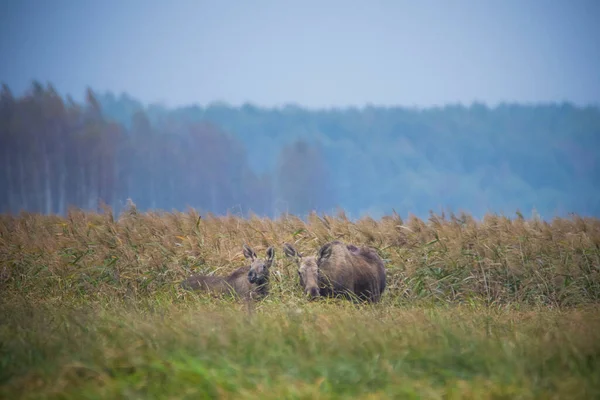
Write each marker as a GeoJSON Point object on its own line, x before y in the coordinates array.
{"type": "Point", "coordinates": [311, 53]}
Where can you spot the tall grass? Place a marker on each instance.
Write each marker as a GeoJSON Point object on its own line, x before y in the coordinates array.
{"type": "Point", "coordinates": [498, 308]}
{"type": "Point", "coordinates": [457, 259]}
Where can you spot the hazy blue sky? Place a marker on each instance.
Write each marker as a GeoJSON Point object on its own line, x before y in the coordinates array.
{"type": "Point", "coordinates": [314, 53]}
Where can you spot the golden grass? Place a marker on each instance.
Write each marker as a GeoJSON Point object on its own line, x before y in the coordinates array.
{"type": "Point", "coordinates": [456, 259]}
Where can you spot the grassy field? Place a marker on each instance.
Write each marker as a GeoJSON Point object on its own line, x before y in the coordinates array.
{"type": "Point", "coordinates": [498, 308]}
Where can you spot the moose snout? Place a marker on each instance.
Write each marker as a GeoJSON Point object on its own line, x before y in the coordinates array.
{"type": "Point", "coordinates": [252, 276]}
{"type": "Point", "coordinates": [313, 292]}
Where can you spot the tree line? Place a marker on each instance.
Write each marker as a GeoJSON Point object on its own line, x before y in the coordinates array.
{"type": "Point", "coordinates": [58, 153]}
{"type": "Point", "coordinates": [378, 159]}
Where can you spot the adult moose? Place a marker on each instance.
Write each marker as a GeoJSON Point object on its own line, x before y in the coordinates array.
{"type": "Point", "coordinates": [340, 269]}
{"type": "Point", "coordinates": [249, 281]}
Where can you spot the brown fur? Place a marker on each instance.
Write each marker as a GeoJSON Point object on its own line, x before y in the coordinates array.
{"type": "Point", "coordinates": [249, 281]}
{"type": "Point", "coordinates": [339, 269]}
{"type": "Point", "coordinates": [308, 272]}
{"type": "Point", "coordinates": [352, 271]}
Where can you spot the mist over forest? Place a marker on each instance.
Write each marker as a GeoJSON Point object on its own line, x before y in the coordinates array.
{"type": "Point", "coordinates": [58, 153]}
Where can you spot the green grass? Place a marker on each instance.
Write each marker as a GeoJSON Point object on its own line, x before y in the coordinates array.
{"type": "Point", "coordinates": [285, 350]}
{"type": "Point", "coordinates": [90, 309]}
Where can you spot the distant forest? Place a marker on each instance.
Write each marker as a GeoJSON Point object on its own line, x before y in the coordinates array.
{"type": "Point", "coordinates": [58, 153]}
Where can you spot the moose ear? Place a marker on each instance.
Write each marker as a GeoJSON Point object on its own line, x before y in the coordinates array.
{"type": "Point", "coordinates": [324, 252]}
{"type": "Point", "coordinates": [249, 253]}
{"type": "Point", "coordinates": [270, 253]}
{"type": "Point", "coordinates": [289, 250]}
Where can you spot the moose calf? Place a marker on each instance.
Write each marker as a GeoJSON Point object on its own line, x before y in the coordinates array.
{"type": "Point", "coordinates": [250, 281]}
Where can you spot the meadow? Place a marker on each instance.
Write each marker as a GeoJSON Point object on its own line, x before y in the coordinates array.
{"type": "Point", "coordinates": [504, 307]}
